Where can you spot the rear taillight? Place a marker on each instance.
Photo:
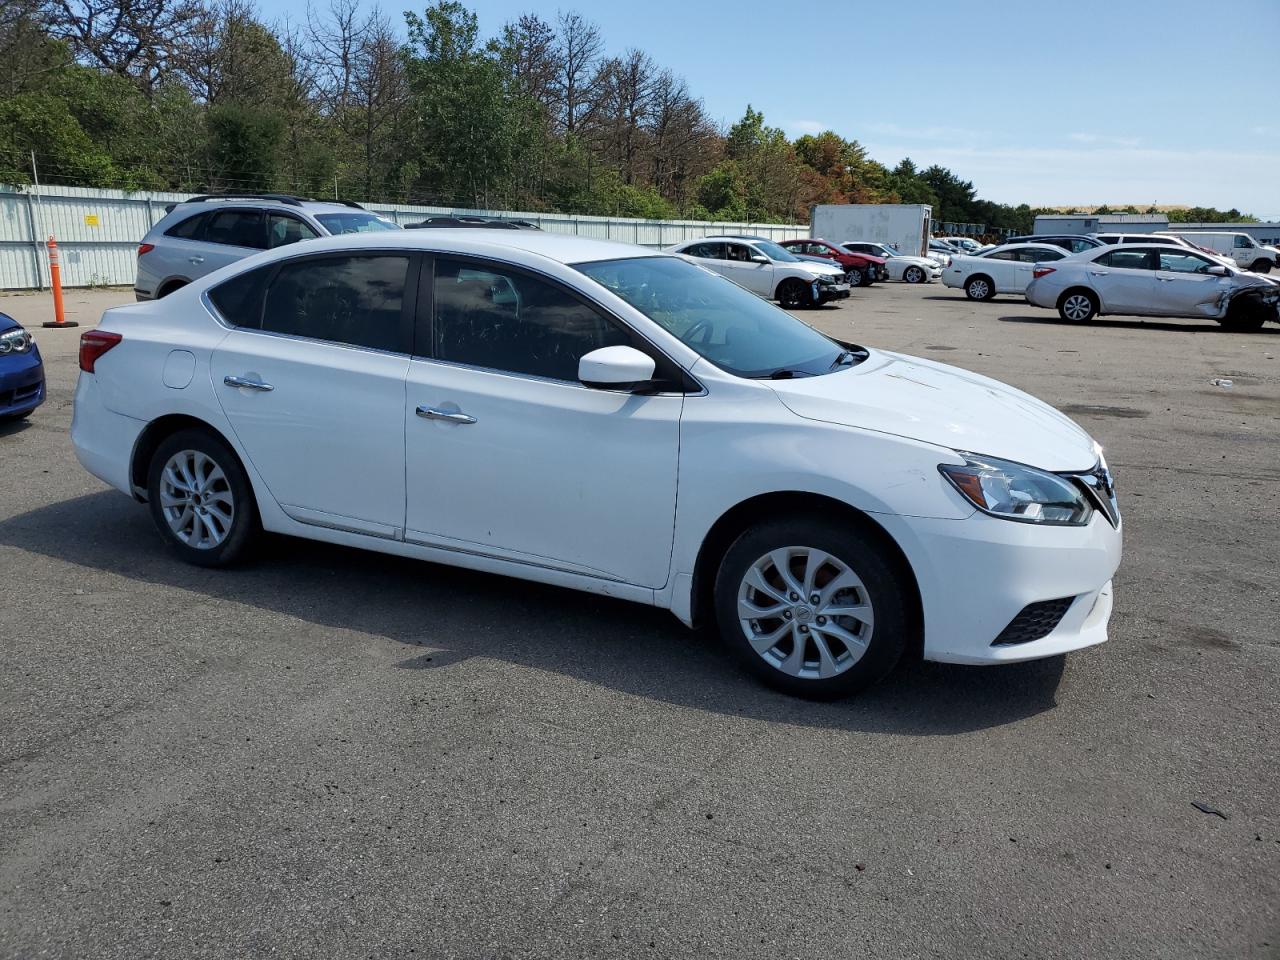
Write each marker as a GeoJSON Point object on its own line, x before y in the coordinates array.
{"type": "Point", "coordinates": [145, 248]}
{"type": "Point", "coordinates": [1039, 272]}
{"type": "Point", "coordinates": [93, 344]}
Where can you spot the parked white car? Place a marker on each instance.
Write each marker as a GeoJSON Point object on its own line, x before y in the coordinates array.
{"type": "Point", "coordinates": [1004, 269]}
{"type": "Point", "coordinates": [612, 419]}
{"type": "Point", "coordinates": [1156, 280]}
{"type": "Point", "coordinates": [962, 244]}
{"type": "Point", "coordinates": [1245, 252]}
{"type": "Point", "coordinates": [900, 266]}
{"type": "Point", "coordinates": [768, 270]}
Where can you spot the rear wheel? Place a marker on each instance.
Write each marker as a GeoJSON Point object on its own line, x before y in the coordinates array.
{"type": "Point", "coordinates": [168, 288]}
{"type": "Point", "coordinates": [1077, 306]}
{"type": "Point", "coordinates": [793, 294]}
{"type": "Point", "coordinates": [979, 288]}
{"type": "Point", "coordinates": [913, 275]}
{"type": "Point", "coordinates": [201, 500]}
{"type": "Point", "coordinates": [811, 607]}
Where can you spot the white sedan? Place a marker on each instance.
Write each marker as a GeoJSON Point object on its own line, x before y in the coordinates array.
{"type": "Point", "coordinates": [616, 420]}
{"type": "Point", "coordinates": [1006, 269]}
{"type": "Point", "coordinates": [768, 269]}
{"type": "Point", "coordinates": [900, 266]}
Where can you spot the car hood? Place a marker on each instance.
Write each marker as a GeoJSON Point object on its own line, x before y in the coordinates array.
{"type": "Point", "coordinates": [943, 405]}
{"type": "Point", "coordinates": [815, 265]}
{"type": "Point", "coordinates": [917, 261]}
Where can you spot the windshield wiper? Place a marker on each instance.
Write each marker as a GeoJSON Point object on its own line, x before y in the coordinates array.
{"type": "Point", "coordinates": [785, 374]}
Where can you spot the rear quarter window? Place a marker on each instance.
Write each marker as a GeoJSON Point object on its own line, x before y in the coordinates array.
{"type": "Point", "coordinates": [239, 300]}
{"type": "Point", "coordinates": [187, 229]}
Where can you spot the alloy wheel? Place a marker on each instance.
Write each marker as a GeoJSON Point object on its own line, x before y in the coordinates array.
{"type": "Point", "coordinates": [805, 612]}
{"type": "Point", "coordinates": [1077, 307]}
{"type": "Point", "coordinates": [913, 275]}
{"type": "Point", "coordinates": [196, 499]}
{"type": "Point", "coordinates": [978, 290]}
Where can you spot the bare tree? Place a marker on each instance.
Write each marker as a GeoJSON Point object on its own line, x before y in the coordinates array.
{"type": "Point", "coordinates": [530, 52]}
{"type": "Point", "coordinates": [580, 45]}
{"type": "Point", "coordinates": [24, 50]}
{"type": "Point", "coordinates": [681, 137]}
{"type": "Point", "coordinates": [379, 96]}
{"type": "Point", "coordinates": [139, 39]}
{"type": "Point", "coordinates": [626, 87]}
{"type": "Point", "coordinates": [335, 41]}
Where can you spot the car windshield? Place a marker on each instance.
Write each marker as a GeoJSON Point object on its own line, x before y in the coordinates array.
{"type": "Point", "coordinates": [719, 320]}
{"type": "Point", "coordinates": [354, 222]}
{"type": "Point", "coordinates": [775, 252]}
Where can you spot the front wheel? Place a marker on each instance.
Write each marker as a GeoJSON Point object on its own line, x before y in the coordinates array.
{"type": "Point", "coordinates": [811, 607]}
{"type": "Point", "coordinates": [979, 288]}
{"type": "Point", "coordinates": [793, 294]}
{"type": "Point", "coordinates": [913, 275]}
{"type": "Point", "coordinates": [201, 500]}
{"type": "Point", "coordinates": [855, 277]}
{"type": "Point", "coordinates": [1261, 266]}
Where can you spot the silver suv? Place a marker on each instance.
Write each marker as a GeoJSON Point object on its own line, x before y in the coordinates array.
{"type": "Point", "coordinates": [202, 234]}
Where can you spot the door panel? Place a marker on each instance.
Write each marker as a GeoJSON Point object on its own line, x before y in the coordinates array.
{"type": "Point", "coordinates": [550, 473]}
{"type": "Point", "coordinates": [1125, 280]}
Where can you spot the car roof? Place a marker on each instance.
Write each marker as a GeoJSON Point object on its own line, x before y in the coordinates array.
{"type": "Point", "coordinates": [560, 247]}
{"type": "Point", "coordinates": [1024, 244]}
{"type": "Point", "coordinates": [274, 200]}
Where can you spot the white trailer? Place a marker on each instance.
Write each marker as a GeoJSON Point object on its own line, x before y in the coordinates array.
{"type": "Point", "coordinates": [903, 226]}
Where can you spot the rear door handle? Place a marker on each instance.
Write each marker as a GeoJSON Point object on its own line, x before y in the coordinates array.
{"type": "Point", "coordinates": [1165, 279]}
{"type": "Point", "coordinates": [453, 416]}
{"type": "Point", "coordinates": [1098, 273]}
{"type": "Point", "coordinates": [195, 259]}
{"type": "Point", "coordinates": [248, 384]}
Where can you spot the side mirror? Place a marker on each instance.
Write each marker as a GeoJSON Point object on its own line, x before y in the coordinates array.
{"type": "Point", "coordinates": [1218, 270]}
{"type": "Point", "coordinates": [615, 367]}
{"type": "Point", "coordinates": [759, 258]}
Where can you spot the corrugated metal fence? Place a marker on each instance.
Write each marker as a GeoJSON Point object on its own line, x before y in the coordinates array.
{"type": "Point", "coordinates": [98, 231]}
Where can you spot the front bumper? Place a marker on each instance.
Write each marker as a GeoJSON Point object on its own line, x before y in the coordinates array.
{"type": "Point", "coordinates": [978, 574]}
{"type": "Point", "coordinates": [22, 386]}
{"type": "Point", "coordinates": [823, 293]}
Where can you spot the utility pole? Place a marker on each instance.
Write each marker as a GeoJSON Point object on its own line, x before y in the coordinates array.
{"type": "Point", "coordinates": [35, 179]}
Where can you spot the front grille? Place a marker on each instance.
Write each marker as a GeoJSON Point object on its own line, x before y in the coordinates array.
{"type": "Point", "coordinates": [1036, 621]}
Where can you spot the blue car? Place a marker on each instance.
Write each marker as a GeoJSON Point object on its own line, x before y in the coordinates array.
{"type": "Point", "coordinates": [21, 371]}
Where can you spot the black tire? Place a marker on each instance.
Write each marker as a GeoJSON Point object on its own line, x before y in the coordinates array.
{"type": "Point", "coordinates": [856, 277]}
{"type": "Point", "coordinates": [168, 288]}
{"type": "Point", "coordinates": [1245, 317]}
{"type": "Point", "coordinates": [1261, 266]}
{"type": "Point", "coordinates": [913, 275]}
{"type": "Point", "coordinates": [979, 287]}
{"type": "Point", "coordinates": [1070, 306]}
{"type": "Point", "coordinates": [793, 294]}
{"type": "Point", "coordinates": [880, 587]}
{"type": "Point", "coordinates": [244, 526]}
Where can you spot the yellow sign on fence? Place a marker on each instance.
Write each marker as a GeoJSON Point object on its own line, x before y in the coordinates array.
{"type": "Point", "coordinates": [91, 220]}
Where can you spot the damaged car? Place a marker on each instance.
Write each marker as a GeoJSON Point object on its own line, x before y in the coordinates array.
{"type": "Point", "coordinates": [1154, 281]}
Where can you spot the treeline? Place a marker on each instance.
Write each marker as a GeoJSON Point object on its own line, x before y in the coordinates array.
{"type": "Point", "coordinates": [202, 95]}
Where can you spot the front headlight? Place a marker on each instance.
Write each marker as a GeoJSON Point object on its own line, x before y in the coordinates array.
{"type": "Point", "coordinates": [1013, 491]}
{"type": "Point", "coordinates": [15, 341]}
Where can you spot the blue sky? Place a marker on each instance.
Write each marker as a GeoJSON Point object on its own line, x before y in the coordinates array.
{"type": "Point", "coordinates": [1038, 101]}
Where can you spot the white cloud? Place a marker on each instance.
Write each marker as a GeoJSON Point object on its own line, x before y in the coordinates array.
{"type": "Point", "coordinates": [808, 126]}
{"type": "Point", "coordinates": [1057, 176]}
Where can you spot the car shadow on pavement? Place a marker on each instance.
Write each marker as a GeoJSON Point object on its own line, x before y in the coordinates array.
{"type": "Point", "coordinates": [445, 616]}
{"type": "Point", "coordinates": [1052, 319]}
{"type": "Point", "coordinates": [9, 428]}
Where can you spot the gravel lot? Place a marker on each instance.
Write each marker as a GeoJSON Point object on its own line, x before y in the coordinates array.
{"type": "Point", "coordinates": [336, 754]}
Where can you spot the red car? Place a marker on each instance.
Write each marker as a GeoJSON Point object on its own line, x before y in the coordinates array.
{"type": "Point", "coordinates": [862, 269]}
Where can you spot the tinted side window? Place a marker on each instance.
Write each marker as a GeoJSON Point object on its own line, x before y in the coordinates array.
{"type": "Point", "coordinates": [740, 252]}
{"type": "Point", "coordinates": [239, 300]}
{"type": "Point", "coordinates": [236, 228]}
{"type": "Point", "coordinates": [1127, 260]}
{"type": "Point", "coordinates": [283, 229]}
{"type": "Point", "coordinates": [706, 251]}
{"type": "Point", "coordinates": [1040, 256]}
{"type": "Point", "coordinates": [1004, 255]}
{"type": "Point", "coordinates": [1242, 243]}
{"type": "Point", "coordinates": [354, 300]}
{"type": "Point", "coordinates": [500, 320]}
{"type": "Point", "coordinates": [188, 229]}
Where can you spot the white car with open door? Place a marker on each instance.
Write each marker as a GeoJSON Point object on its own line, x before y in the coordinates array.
{"type": "Point", "coordinates": [768, 270]}
{"type": "Point", "coordinates": [1004, 269]}
{"type": "Point", "coordinates": [1156, 280]}
{"type": "Point", "coordinates": [613, 419]}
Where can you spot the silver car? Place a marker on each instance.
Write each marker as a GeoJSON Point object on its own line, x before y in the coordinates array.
{"type": "Point", "coordinates": [1154, 281]}
{"type": "Point", "coordinates": [206, 233]}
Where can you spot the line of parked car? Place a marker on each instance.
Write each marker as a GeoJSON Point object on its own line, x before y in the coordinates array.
{"type": "Point", "coordinates": [1196, 275]}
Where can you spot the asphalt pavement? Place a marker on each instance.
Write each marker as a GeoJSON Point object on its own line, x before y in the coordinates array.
{"type": "Point", "coordinates": [331, 753]}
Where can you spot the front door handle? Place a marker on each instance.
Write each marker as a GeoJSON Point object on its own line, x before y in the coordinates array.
{"type": "Point", "coordinates": [195, 259]}
{"type": "Point", "coordinates": [1098, 273]}
{"type": "Point", "coordinates": [1165, 279]}
{"type": "Point", "coordinates": [453, 416]}
{"type": "Point", "coordinates": [248, 384]}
